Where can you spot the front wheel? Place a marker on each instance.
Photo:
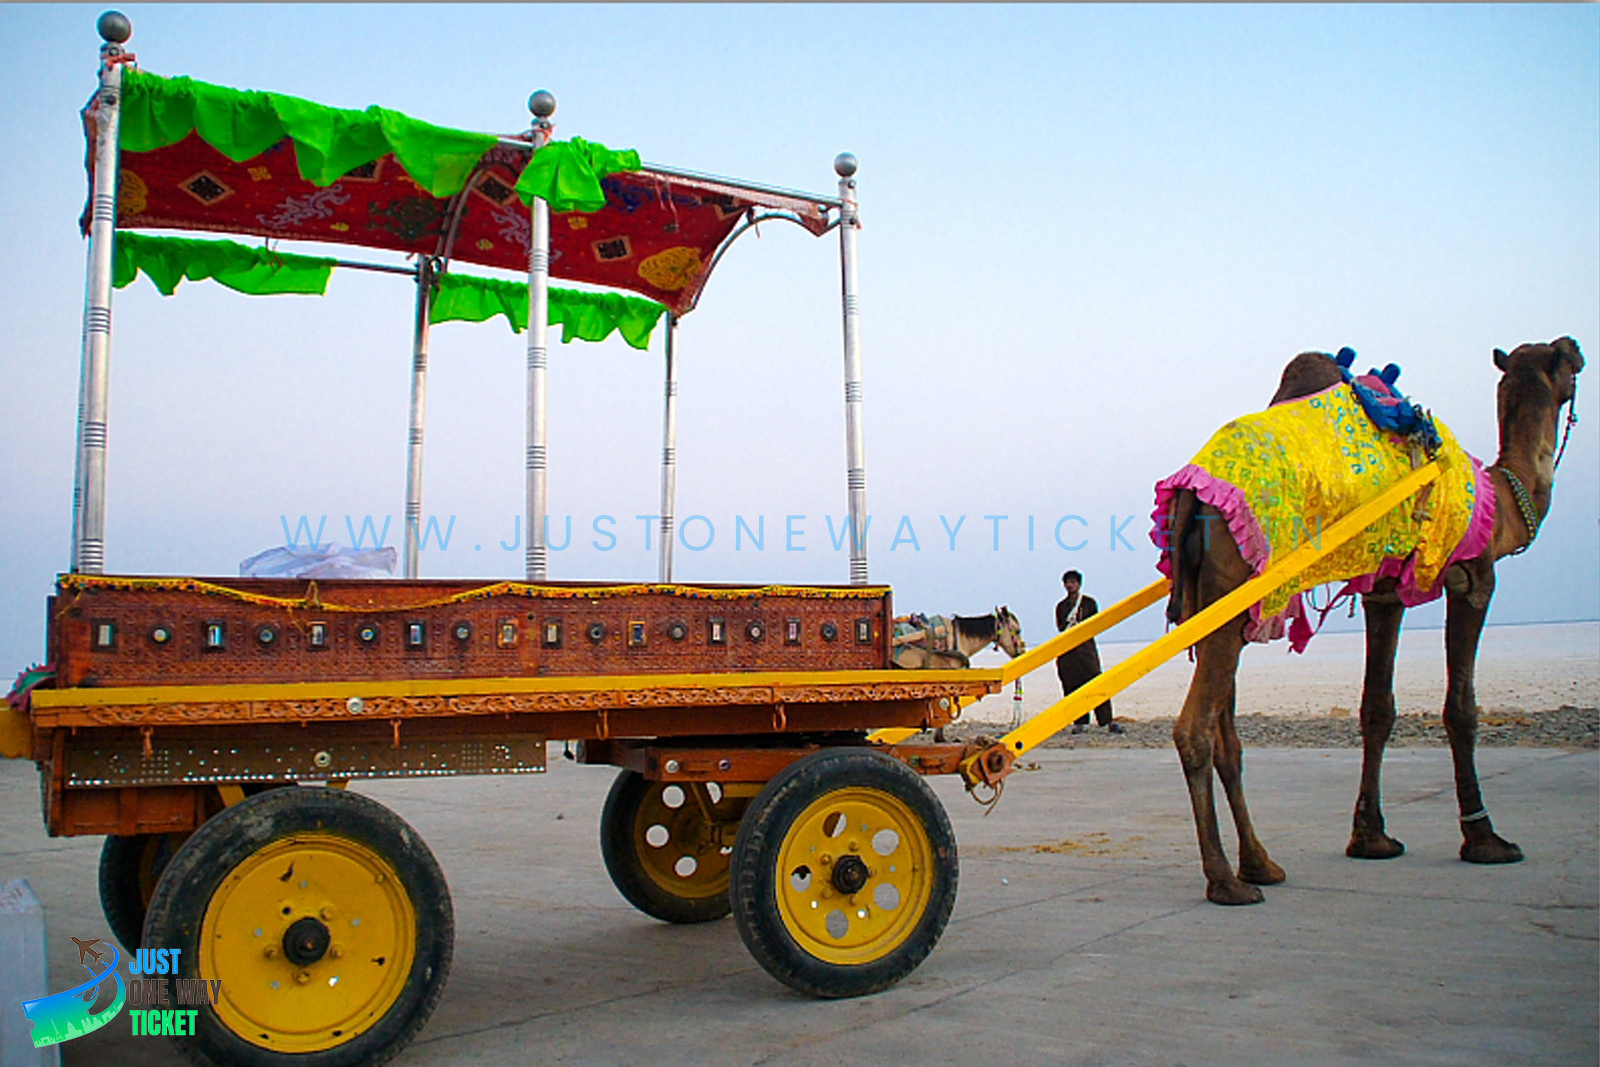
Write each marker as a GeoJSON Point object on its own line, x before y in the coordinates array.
{"type": "Point", "coordinates": [844, 873]}
{"type": "Point", "coordinates": [322, 922]}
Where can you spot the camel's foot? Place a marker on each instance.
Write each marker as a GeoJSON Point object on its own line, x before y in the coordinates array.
{"type": "Point", "coordinates": [1260, 871]}
{"type": "Point", "coordinates": [1230, 891]}
{"type": "Point", "coordinates": [1373, 845]}
{"type": "Point", "coordinates": [1490, 849]}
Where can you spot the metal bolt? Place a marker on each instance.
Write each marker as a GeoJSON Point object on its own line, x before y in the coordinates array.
{"type": "Point", "coordinates": [827, 858]}
{"type": "Point", "coordinates": [322, 759]}
{"type": "Point", "coordinates": [855, 846]}
{"type": "Point", "coordinates": [355, 705]}
{"type": "Point", "coordinates": [672, 766]}
{"type": "Point", "coordinates": [336, 952]}
{"type": "Point", "coordinates": [724, 764]}
{"type": "Point", "coordinates": [327, 914]}
{"type": "Point", "coordinates": [271, 952]}
{"type": "Point", "coordinates": [302, 977]}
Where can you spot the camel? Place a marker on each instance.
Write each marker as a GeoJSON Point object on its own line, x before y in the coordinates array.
{"type": "Point", "coordinates": [1536, 381]}
{"type": "Point", "coordinates": [971, 633]}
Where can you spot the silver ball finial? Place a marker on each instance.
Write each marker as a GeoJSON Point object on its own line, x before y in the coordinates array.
{"type": "Point", "coordinates": [844, 165]}
{"type": "Point", "coordinates": [114, 27]}
{"type": "Point", "coordinates": [542, 104]}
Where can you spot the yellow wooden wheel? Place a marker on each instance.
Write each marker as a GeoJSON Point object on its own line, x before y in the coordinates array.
{"type": "Point", "coordinates": [855, 875]}
{"type": "Point", "coordinates": [316, 934]}
{"type": "Point", "coordinates": [319, 923]}
{"type": "Point", "coordinates": [844, 873]}
{"type": "Point", "coordinates": [667, 845]}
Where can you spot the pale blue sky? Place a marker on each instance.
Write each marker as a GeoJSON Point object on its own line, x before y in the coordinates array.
{"type": "Point", "coordinates": [1092, 235]}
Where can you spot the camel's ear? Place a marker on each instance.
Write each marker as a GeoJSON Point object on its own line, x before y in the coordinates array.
{"type": "Point", "coordinates": [1567, 349]}
{"type": "Point", "coordinates": [1500, 359]}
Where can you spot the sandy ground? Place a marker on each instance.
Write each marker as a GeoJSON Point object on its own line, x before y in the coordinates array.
{"type": "Point", "coordinates": [1520, 668]}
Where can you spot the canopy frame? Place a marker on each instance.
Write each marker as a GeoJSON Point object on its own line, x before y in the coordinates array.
{"type": "Point", "coordinates": [89, 478]}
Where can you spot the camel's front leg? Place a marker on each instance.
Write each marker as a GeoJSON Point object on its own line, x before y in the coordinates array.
{"type": "Point", "coordinates": [1466, 609]}
{"type": "Point", "coordinates": [1255, 866]}
{"type": "Point", "coordinates": [1195, 735]}
{"type": "Point", "coordinates": [1383, 609]}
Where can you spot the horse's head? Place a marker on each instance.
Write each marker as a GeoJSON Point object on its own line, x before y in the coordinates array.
{"type": "Point", "coordinates": [1008, 632]}
{"type": "Point", "coordinates": [1536, 380]}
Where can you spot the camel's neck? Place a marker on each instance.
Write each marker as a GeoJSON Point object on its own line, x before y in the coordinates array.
{"type": "Point", "coordinates": [1527, 451]}
{"type": "Point", "coordinates": [973, 634]}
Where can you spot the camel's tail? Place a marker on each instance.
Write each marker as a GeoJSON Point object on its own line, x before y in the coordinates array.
{"type": "Point", "coordinates": [1184, 552]}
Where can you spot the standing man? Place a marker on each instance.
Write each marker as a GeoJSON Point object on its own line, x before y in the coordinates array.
{"type": "Point", "coordinates": [1078, 666]}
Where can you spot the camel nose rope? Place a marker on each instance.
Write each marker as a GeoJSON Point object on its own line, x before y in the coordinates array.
{"type": "Point", "coordinates": [1572, 420]}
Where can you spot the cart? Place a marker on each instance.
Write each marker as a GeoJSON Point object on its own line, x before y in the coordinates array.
{"type": "Point", "coordinates": [766, 752]}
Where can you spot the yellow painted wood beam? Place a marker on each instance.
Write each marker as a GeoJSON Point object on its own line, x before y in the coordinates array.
{"type": "Point", "coordinates": [416, 687]}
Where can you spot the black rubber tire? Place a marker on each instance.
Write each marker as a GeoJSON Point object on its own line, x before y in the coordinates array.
{"type": "Point", "coordinates": [129, 869]}
{"type": "Point", "coordinates": [199, 868]}
{"type": "Point", "coordinates": [755, 871]}
{"type": "Point", "coordinates": [621, 843]}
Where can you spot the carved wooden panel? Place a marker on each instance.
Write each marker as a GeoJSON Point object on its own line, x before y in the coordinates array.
{"type": "Point", "coordinates": [130, 631]}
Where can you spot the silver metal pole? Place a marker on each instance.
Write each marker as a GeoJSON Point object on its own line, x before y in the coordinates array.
{"type": "Point", "coordinates": [854, 439]}
{"type": "Point", "coordinates": [419, 414]}
{"type": "Point", "coordinates": [669, 449]}
{"type": "Point", "coordinates": [543, 105]}
{"type": "Point", "coordinates": [94, 385]}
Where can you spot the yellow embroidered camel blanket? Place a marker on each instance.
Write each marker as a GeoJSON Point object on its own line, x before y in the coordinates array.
{"type": "Point", "coordinates": [1283, 475]}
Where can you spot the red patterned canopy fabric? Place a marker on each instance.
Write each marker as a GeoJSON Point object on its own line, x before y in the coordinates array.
{"type": "Point", "coordinates": [656, 236]}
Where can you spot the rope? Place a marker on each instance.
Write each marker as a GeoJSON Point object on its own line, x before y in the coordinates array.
{"type": "Point", "coordinates": [312, 601]}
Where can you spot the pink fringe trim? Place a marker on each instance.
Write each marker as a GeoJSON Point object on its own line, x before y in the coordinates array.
{"type": "Point", "coordinates": [1246, 531]}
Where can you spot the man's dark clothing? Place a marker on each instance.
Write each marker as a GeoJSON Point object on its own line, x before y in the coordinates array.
{"type": "Point", "coordinates": [1077, 666]}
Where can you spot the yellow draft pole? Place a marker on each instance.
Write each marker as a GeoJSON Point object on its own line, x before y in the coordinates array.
{"type": "Point", "coordinates": [1064, 641]}
{"type": "Point", "coordinates": [994, 763]}
{"type": "Point", "coordinates": [1094, 626]}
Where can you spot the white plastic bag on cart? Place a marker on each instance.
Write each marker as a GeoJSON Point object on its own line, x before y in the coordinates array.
{"type": "Point", "coordinates": [322, 561]}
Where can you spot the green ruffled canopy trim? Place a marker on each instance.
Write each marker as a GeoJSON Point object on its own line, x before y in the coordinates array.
{"type": "Point", "coordinates": [330, 142]}
{"type": "Point", "coordinates": [582, 316]}
{"type": "Point", "coordinates": [258, 271]}
{"type": "Point", "coordinates": [567, 174]}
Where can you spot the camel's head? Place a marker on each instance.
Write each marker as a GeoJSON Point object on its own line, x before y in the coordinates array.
{"type": "Point", "coordinates": [1536, 380]}
{"type": "Point", "coordinates": [1540, 373]}
{"type": "Point", "coordinates": [1008, 632]}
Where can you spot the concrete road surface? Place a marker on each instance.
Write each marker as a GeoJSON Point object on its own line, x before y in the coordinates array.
{"type": "Point", "coordinates": [1080, 935]}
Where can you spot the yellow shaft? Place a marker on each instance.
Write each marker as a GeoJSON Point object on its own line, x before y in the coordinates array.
{"type": "Point", "coordinates": [1094, 626]}
{"type": "Point", "coordinates": [1059, 715]}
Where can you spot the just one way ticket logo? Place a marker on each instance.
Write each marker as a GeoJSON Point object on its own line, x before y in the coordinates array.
{"type": "Point", "coordinates": [158, 996]}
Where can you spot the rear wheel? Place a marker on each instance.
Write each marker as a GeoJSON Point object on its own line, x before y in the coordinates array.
{"type": "Point", "coordinates": [667, 846]}
{"type": "Point", "coordinates": [129, 869]}
{"type": "Point", "coordinates": [844, 873]}
{"type": "Point", "coordinates": [326, 920]}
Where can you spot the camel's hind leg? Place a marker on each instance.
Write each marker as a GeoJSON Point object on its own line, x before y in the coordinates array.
{"type": "Point", "coordinates": [1466, 608]}
{"type": "Point", "coordinates": [1383, 610]}
{"type": "Point", "coordinates": [1255, 866]}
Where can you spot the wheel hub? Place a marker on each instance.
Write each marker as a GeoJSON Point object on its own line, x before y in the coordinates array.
{"type": "Point", "coordinates": [306, 941]}
{"type": "Point", "coordinates": [849, 875]}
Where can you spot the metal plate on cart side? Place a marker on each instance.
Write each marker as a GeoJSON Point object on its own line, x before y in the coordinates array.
{"type": "Point", "coordinates": [99, 766]}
